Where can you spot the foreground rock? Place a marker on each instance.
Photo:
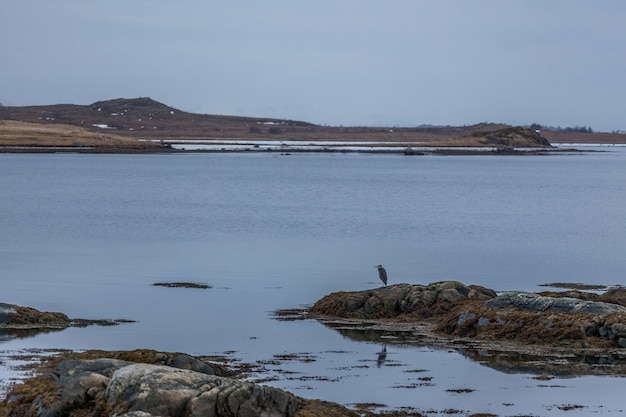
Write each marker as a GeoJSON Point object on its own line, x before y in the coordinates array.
{"type": "Point", "coordinates": [171, 385]}
{"type": "Point", "coordinates": [452, 309]}
{"type": "Point", "coordinates": [158, 390]}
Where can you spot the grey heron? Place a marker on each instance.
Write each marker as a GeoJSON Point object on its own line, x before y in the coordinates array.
{"type": "Point", "coordinates": [382, 274]}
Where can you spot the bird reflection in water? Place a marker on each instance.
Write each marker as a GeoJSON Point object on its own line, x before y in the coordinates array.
{"type": "Point", "coordinates": [382, 357]}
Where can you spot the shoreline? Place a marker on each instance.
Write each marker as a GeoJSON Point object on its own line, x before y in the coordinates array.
{"type": "Point", "coordinates": [285, 151]}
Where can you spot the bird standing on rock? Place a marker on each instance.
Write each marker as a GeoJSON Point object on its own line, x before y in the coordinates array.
{"type": "Point", "coordinates": [382, 274]}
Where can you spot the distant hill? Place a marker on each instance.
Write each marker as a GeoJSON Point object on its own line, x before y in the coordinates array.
{"type": "Point", "coordinates": [148, 119]}
{"type": "Point", "coordinates": [139, 117]}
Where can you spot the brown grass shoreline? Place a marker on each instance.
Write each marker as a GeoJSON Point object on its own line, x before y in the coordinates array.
{"type": "Point", "coordinates": [125, 122]}
{"type": "Point", "coordinates": [28, 137]}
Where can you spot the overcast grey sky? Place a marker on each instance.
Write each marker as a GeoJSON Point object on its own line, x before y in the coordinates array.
{"type": "Point", "coordinates": [336, 62]}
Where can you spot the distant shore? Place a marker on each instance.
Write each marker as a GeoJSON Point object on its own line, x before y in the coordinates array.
{"type": "Point", "coordinates": [144, 126]}
{"type": "Point", "coordinates": [139, 151]}
{"type": "Point", "coordinates": [33, 138]}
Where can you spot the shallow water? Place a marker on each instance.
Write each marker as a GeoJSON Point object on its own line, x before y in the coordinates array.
{"type": "Point", "coordinates": [88, 234]}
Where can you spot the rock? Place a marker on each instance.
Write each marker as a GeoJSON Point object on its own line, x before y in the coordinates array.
{"type": "Point", "coordinates": [18, 317]}
{"type": "Point", "coordinates": [27, 321]}
{"type": "Point", "coordinates": [464, 317]}
{"type": "Point", "coordinates": [82, 382]}
{"type": "Point", "coordinates": [536, 319]}
{"type": "Point", "coordinates": [612, 296]}
{"type": "Point", "coordinates": [454, 309]}
{"type": "Point", "coordinates": [104, 366]}
{"type": "Point", "coordinates": [618, 330]}
{"type": "Point", "coordinates": [111, 386]}
{"type": "Point", "coordinates": [105, 386]}
{"type": "Point", "coordinates": [483, 321]}
{"type": "Point", "coordinates": [535, 302]}
{"type": "Point", "coordinates": [615, 296]}
{"type": "Point", "coordinates": [183, 361]}
{"type": "Point", "coordinates": [5, 311]}
{"type": "Point", "coordinates": [512, 137]}
{"type": "Point", "coordinates": [399, 299]}
{"type": "Point", "coordinates": [182, 285]}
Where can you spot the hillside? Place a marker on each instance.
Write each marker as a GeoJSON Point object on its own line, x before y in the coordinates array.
{"type": "Point", "coordinates": [37, 135]}
{"type": "Point", "coordinates": [140, 118]}
{"type": "Point", "coordinates": [144, 118]}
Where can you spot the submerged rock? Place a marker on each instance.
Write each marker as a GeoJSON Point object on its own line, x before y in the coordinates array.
{"type": "Point", "coordinates": [182, 285]}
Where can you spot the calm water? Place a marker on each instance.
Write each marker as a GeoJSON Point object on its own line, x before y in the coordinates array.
{"type": "Point", "coordinates": [88, 234]}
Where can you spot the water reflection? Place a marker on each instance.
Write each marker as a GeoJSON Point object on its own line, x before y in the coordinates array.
{"type": "Point", "coordinates": [382, 357]}
{"type": "Point", "coordinates": [506, 361]}
{"type": "Point", "coordinates": [366, 332]}
{"type": "Point", "coordinates": [11, 334]}
{"type": "Point", "coordinates": [563, 366]}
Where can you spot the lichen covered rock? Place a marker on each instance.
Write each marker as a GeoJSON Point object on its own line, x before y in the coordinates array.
{"type": "Point", "coordinates": [167, 391]}
{"type": "Point", "coordinates": [536, 302]}
{"type": "Point", "coordinates": [121, 387]}
{"type": "Point", "coordinates": [112, 386]}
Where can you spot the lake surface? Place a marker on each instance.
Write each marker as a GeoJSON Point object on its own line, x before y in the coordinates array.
{"type": "Point", "coordinates": [88, 234]}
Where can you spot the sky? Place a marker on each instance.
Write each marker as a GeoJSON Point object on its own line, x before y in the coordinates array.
{"type": "Point", "coordinates": [339, 62]}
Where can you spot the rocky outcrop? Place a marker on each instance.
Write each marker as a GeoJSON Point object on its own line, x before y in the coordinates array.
{"type": "Point", "coordinates": [18, 317]}
{"type": "Point", "coordinates": [613, 296]}
{"type": "Point", "coordinates": [457, 310]}
{"type": "Point", "coordinates": [114, 386]}
{"type": "Point", "coordinates": [512, 137]}
{"type": "Point", "coordinates": [537, 319]}
{"type": "Point", "coordinates": [399, 300]}
{"type": "Point", "coordinates": [23, 322]}
{"type": "Point", "coordinates": [166, 391]}
{"type": "Point", "coordinates": [110, 386]}
{"type": "Point", "coordinates": [21, 319]}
